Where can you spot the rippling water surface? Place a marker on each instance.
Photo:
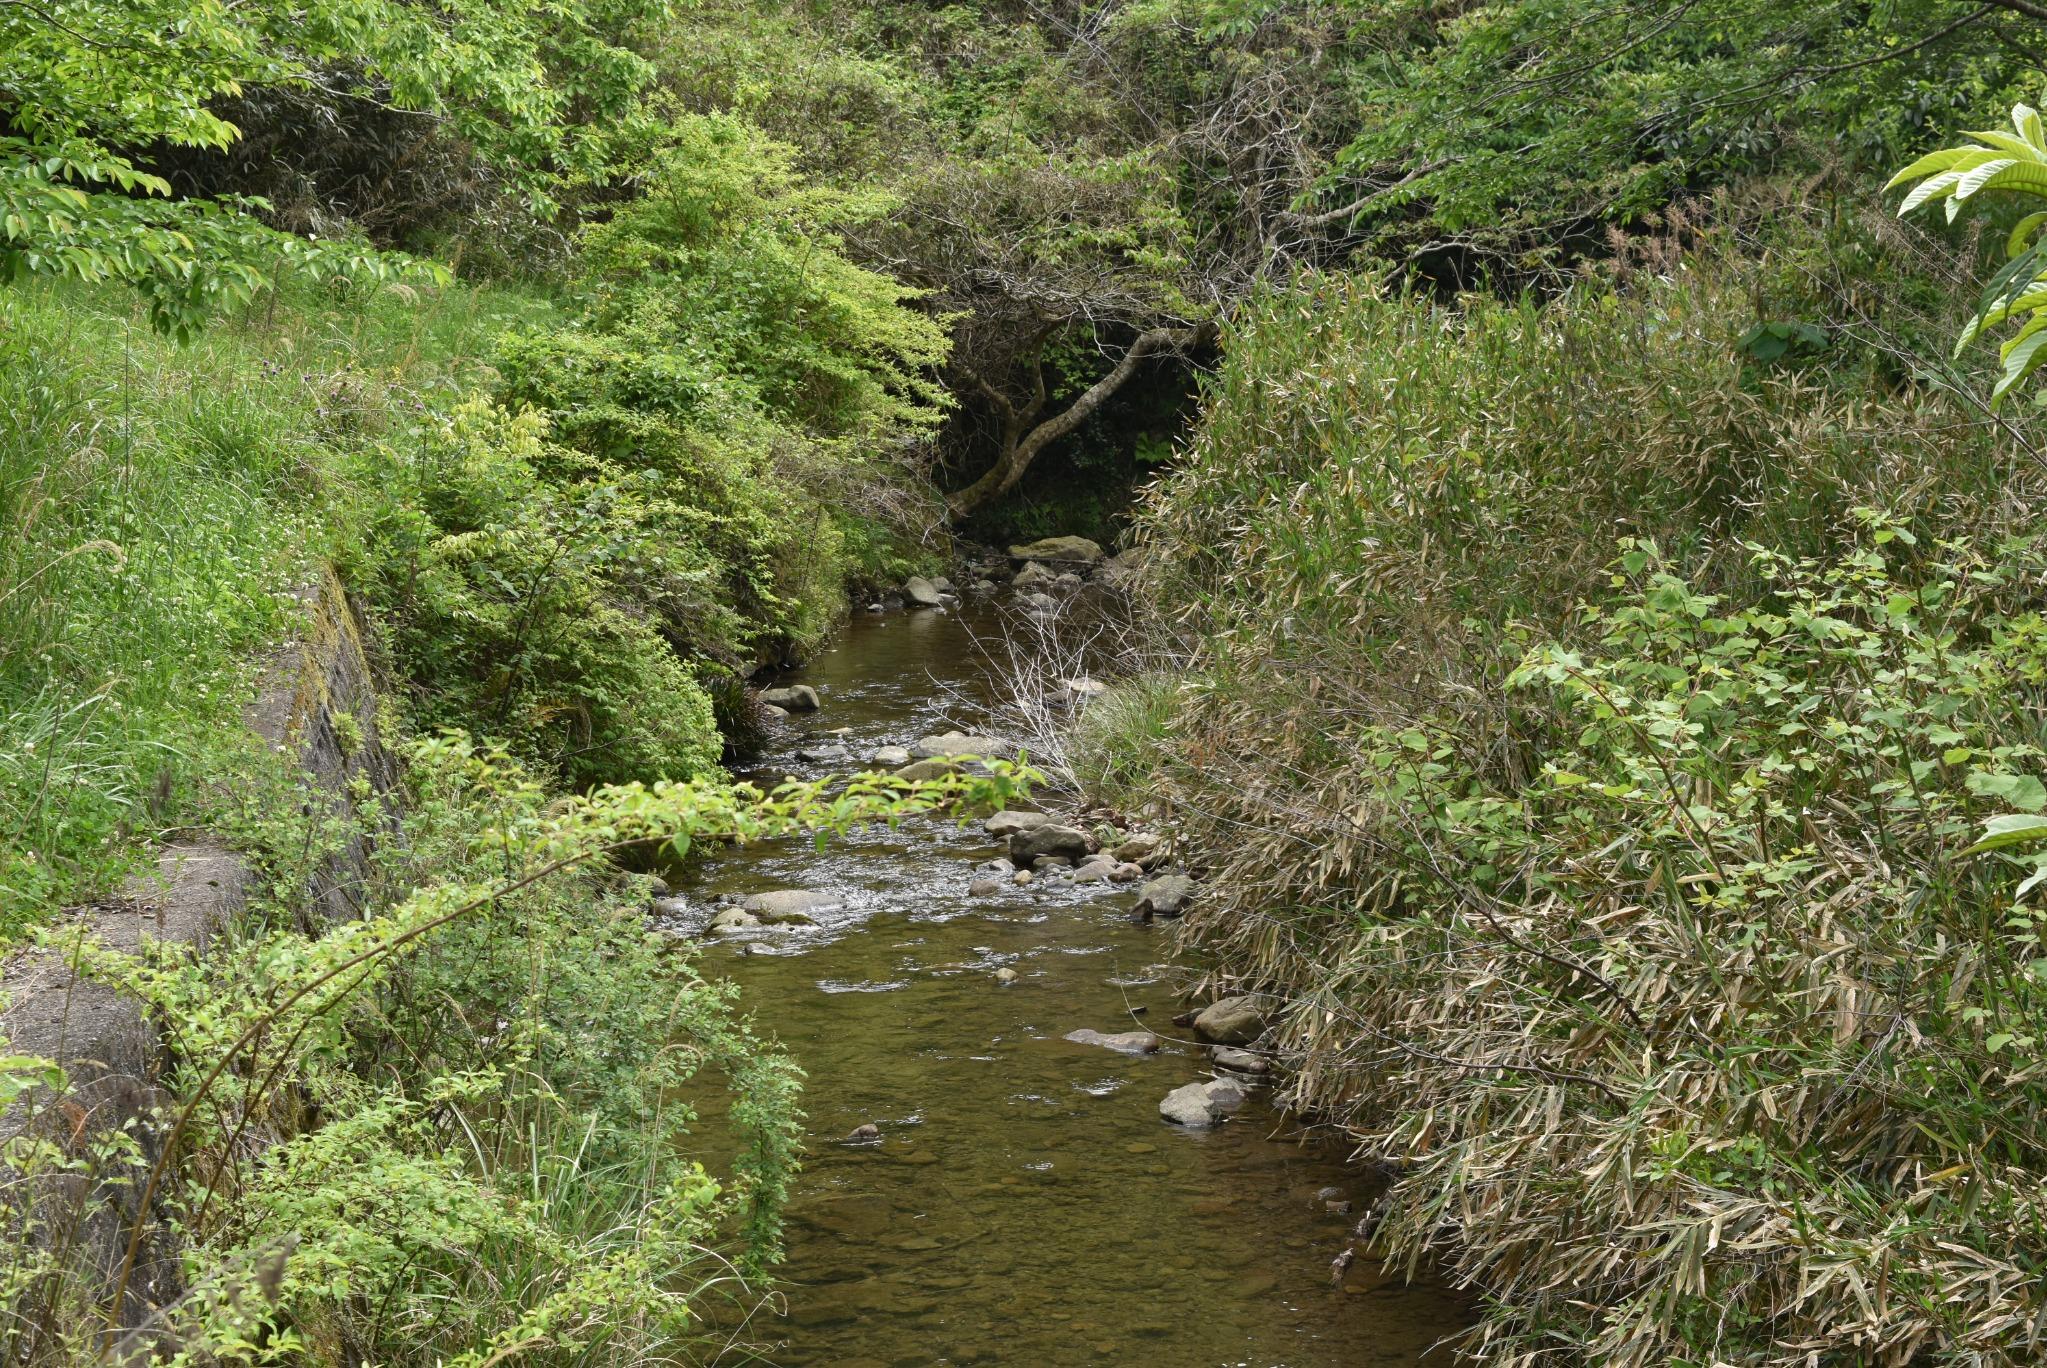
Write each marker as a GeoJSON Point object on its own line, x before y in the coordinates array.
{"type": "Point", "coordinates": [1025, 1204]}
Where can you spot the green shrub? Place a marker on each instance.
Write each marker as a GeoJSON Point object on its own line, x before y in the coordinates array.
{"type": "Point", "coordinates": [502, 602]}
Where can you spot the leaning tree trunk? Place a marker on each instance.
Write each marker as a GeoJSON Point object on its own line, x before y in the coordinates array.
{"type": "Point", "coordinates": [1023, 438]}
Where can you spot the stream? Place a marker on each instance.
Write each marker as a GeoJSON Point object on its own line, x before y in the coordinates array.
{"type": "Point", "coordinates": [1024, 1204]}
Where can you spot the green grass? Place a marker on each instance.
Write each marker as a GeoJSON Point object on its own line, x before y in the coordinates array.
{"type": "Point", "coordinates": [158, 504]}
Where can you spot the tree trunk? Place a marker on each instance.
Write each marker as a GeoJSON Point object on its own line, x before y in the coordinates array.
{"type": "Point", "coordinates": [1023, 439]}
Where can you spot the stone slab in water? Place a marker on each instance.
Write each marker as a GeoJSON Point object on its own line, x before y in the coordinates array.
{"type": "Point", "coordinates": [1203, 1104]}
{"type": "Point", "coordinates": [798, 906]}
{"type": "Point", "coordinates": [796, 698]}
{"type": "Point", "coordinates": [1123, 1042]}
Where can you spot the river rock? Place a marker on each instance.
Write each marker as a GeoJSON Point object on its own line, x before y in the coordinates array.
{"type": "Point", "coordinates": [1069, 580]}
{"type": "Point", "coordinates": [1006, 976]}
{"type": "Point", "coordinates": [984, 888]}
{"type": "Point", "coordinates": [926, 769]}
{"type": "Point", "coordinates": [863, 1134]}
{"type": "Point", "coordinates": [1240, 1061]}
{"type": "Point", "coordinates": [1021, 877]}
{"type": "Point", "coordinates": [1234, 1020]}
{"type": "Point", "coordinates": [1041, 603]}
{"type": "Point", "coordinates": [955, 744]}
{"type": "Point", "coordinates": [891, 757]}
{"type": "Point", "coordinates": [772, 711]}
{"type": "Point", "coordinates": [1123, 1042]}
{"type": "Point", "coordinates": [732, 919]}
{"type": "Point", "coordinates": [791, 906]}
{"type": "Point", "coordinates": [1165, 897]}
{"type": "Point", "coordinates": [1201, 1105]}
{"type": "Point", "coordinates": [1008, 822]}
{"type": "Point", "coordinates": [1034, 576]}
{"type": "Point", "coordinates": [795, 698]}
{"type": "Point", "coordinates": [1126, 873]}
{"type": "Point", "coordinates": [943, 585]}
{"type": "Point", "coordinates": [1084, 687]}
{"type": "Point", "coordinates": [984, 586]}
{"type": "Point", "coordinates": [1122, 571]}
{"type": "Point", "coordinates": [1100, 869]}
{"type": "Point", "coordinates": [919, 592]}
{"type": "Point", "coordinates": [1076, 550]}
{"type": "Point", "coordinates": [1049, 839]}
{"type": "Point", "coordinates": [1138, 848]}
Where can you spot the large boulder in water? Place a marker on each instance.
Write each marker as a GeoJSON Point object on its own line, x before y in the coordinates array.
{"type": "Point", "coordinates": [919, 592]}
{"type": "Point", "coordinates": [1123, 1042]}
{"type": "Point", "coordinates": [1071, 550]}
{"type": "Point", "coordinates": [1062, 842]}
{"type": "Point", "coordinates": [1166, 896]}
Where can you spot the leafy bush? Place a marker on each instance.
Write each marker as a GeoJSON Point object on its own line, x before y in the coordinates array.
{"type": "Point", "coordinates": [461, 1128]}
{"type": "Point", "coordinates": [497, 586]}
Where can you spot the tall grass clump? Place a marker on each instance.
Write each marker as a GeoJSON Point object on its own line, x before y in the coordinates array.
{"type": "Point", "coordinates": [1586, 712]}
{"type": "Point", "coordinates": [158, 504]}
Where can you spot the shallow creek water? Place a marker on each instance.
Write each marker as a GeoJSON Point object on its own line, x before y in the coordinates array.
{"type": "Point", "coordinates": [1026, 1204]}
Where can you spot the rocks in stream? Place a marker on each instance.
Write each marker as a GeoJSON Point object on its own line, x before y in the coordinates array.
{"type": "Point", "coordinates": [1200, 1105]}
{"type": "Point", "coordinates": [1123, 1042]}
{"type": "Point", "coordinates": [1006, 976]}
{"type": "Point", "coordinates": [1167, 896]}
{"type": "Point", "coordinates": [1074, 550]}
{"type": "Point", "coordinates": [1139, 849]}
{"type": "Point", "coordinates": [1008, 823]}
{"type": "Point", "coordinates": [732, 919]}
{"type": "Point", "coordinates": [1065, 842]}
{"type": "Point", "coordinates": [890, 757]}
{"type": "Point", "coordinates": [1240, 1061]}
{"type": "Point", "coordinates": [791, 906]}
{"type": "Point", "coordinates": [919, 592]}
{"type": "Point", "coordinates": [794, 698]}
{"type": "Point", "coordinates": [984, 888]}
{"type": "Point", "coordinates": [926, 769]}
{"type": "Point", "coordinates": [954, 744]}
{"type": "Point", "coordinates": [1034, 576]}
{"type": "Point", "coordinates": [1235, 1020]}
{"type": "Point", "coordinates": [867, 1134]}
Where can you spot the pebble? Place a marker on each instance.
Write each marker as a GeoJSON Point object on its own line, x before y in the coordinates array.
{"type": "Point", "coordinates": [1022, 876]}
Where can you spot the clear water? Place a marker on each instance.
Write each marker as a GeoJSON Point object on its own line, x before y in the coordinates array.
{"type": "Point", "coordinates": [1025, 1204]}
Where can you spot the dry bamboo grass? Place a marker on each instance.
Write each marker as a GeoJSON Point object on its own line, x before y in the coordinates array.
{"type": "Point", "coordinates": [1708, 1073]}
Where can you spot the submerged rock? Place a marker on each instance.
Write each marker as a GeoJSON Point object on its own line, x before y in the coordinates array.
{"type": "Point", "coordinates": [1200, 1105]}
{"type": "Point", "coordinates": [795, 697]}
{"type": "Point", "coordinates": [1165, 897]}
{"type": "Point", "coordinates": [1008, 822]}
{"type": "Point", "coordinates": [1234, 1020]}
{"type": "Point", "coordinates": [1123, 1042]}
{"type": "Point", "coordinates": [1078, 550]}
{"type": "Point", "coordinates": [1050, 839]}
{"type": "Point", "coordinates": [919, 592]}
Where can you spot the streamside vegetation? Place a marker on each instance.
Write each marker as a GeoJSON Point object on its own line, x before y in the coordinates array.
{"type": "Point", "coordinates": [1590, 616]}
